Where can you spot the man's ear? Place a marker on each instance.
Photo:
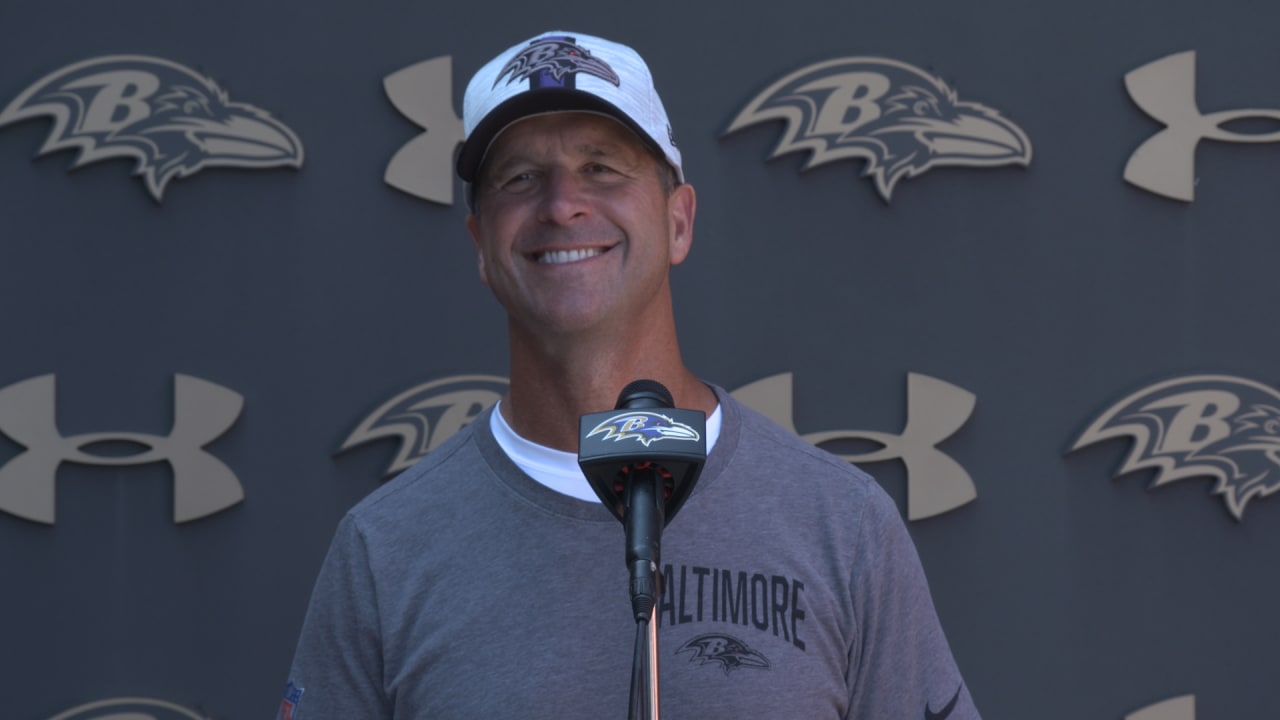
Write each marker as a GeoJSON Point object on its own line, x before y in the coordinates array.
{"type": "Point", "coordinates": [682, 205]}
{"type": "Point", "coordinates": [473, 229]}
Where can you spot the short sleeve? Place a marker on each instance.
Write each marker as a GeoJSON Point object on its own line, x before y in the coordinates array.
{"type": "Point", "coordinates": [337, 671]}
{"type": "Point", "coordinates": [900, 664]}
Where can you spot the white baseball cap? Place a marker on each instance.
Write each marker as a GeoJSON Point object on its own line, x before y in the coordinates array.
{"type": "Point", "coordinates": [562, 72]}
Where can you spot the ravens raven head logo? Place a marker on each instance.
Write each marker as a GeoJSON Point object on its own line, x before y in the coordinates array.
{"type": "Point", "coordinates": [730, 652]}
{"type": "Point", "coordinates": [899, 119]}
{"type": "Point", "coordinates": [559, 58]}
{"type": "Point", "coordinates": [426, 415]}
{"type": "Point", "coordinates": [1216, 426]}
{"type": "Point", "coordinates": [643, 426]}
{"type": "Point", "coordinates": [171, 120]}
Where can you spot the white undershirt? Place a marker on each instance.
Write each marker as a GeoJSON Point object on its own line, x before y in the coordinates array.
{"type": "Point", "coordinates": [557, 469]}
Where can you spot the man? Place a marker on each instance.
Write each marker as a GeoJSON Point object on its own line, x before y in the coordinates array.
{"type": "Point", "coordinates": [488, 582]}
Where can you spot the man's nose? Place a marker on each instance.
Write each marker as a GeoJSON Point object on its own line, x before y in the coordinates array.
{"type": "Point", "coordinates": [564, 199]}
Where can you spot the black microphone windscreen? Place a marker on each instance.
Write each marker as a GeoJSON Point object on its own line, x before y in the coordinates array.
{"type": "Point", "coordinates": [639, 394]}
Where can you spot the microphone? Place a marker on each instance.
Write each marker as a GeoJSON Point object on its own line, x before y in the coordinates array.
{"type": "Point", "coordinates": [642, 460]}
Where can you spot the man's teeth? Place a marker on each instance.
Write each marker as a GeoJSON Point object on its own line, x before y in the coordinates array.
{"type": "Point", "coordinates": [556, 257]}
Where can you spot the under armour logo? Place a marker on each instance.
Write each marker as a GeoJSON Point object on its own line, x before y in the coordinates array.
{"type": "Point", "coordinates": [423, 167]}
{"type": "Point", "coordinates": [936, 483]}
{"type": "Point", "coordinates": [1166, 90]}
{"type": "Point", "coordinates": [202, 484]}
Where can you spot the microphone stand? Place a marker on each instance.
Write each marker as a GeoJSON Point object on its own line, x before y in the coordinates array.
{"type": "Point", "coordinates": [644, 523]}
{"type": "Point", "coordinates": [644, 672]}
{"type": "Point", "coordinates": [642, 459]}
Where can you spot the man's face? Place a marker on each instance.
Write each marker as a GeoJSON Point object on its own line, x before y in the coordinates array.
{"type": "Point", "coordinates": [573, 225]}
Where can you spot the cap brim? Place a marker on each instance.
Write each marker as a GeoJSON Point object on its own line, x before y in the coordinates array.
{"type": "Point", "coordinates": [542, 101]}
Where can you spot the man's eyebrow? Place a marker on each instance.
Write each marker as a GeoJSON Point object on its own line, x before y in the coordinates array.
{"type": "Point", "coordinates": [504, 163]}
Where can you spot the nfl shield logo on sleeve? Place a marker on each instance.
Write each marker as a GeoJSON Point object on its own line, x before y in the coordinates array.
{"type": "Point", "coordinates": [288, 706]}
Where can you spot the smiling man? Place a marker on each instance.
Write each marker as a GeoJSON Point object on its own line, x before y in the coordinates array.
{"type": "Point", "coordinates": [486, 580]}
{"type": "Point", "coordinates": [577, 228]}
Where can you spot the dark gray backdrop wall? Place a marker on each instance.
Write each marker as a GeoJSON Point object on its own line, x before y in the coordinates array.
{"type": "Point", "coordinates": [316, 293]}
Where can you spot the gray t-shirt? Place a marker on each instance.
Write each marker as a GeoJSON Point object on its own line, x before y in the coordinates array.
{"type": "Point", "coordinates": [464, 589]}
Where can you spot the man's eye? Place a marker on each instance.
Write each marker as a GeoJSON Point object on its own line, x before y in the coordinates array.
{"type": "Point", "coordinates": [599, 169]}
{"type": "Point", "coordinates": [517, 181]}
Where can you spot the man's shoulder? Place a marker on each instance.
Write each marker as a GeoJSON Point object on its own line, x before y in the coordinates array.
{"type": "Point", "coordinates": [432, 480]}
{"type": "Point", "coordinates": [761, 435]}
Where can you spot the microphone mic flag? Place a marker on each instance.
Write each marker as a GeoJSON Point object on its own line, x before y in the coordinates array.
{"type": "Point", "coordinates": [642, 459]}
{"type": "Point", "coordinates": [644, 431]}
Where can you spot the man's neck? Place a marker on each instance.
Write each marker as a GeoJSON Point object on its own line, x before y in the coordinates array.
{"type": "Point", "coordinates": [553, 384]}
